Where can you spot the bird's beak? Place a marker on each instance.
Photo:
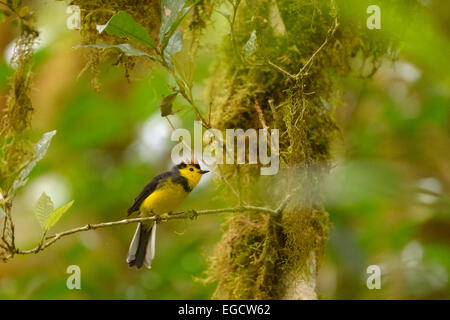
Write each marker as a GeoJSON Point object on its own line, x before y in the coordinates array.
{"type": "Point", "coordinates": [204, 171]}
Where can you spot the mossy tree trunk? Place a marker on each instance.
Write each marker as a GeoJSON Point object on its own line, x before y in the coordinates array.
{"type": "Point", "coordinates": [302, 48]}
{"type": "Point", "coordinates": [260, 256]}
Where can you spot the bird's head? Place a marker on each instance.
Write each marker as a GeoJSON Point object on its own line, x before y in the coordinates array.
{"type": "Point", "coordinates": [191, 171]}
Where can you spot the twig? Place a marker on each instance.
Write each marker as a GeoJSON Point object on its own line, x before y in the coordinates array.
{"type": "Point", "coordinates": [274, 111]}
{"type": "Point", "coordinates": [181, 138]}
{"type": "Point", "coordinates": [233, 190]}
{"type": "Point", "coordinates": [232, 36]}
{"type": "Point", "coordinates": [97, 11]}
{"type": "Point", "coordinates": [261, 115]}
{"type": "Point", "coordinates": [187, 94]}
{"type": "Point", "coordinates": [283, 204]}
{"type": "Point", "coordinates": [11, 8]}
{"type": "Point", "coordinates": [330, 33]}
{"type": "Point", "coordinates": [290, 75]}
{"type": "Point", "coordinates": [174, 216]}
{"type": "Point", "coordinates": [428, 192]}
{"type": "Point", "coordinates": [8, 224]}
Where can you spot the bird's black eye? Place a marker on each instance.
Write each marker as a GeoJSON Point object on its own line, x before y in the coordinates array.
{"type": "Point", "coordinates": [190, 169]}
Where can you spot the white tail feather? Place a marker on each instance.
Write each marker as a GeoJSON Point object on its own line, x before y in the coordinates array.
{"type": "Point", "coordinates": [150, 253]}
{"type": "Point", "coordinates": [134, 244]}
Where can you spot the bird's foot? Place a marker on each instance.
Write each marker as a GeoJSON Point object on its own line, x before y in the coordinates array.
{"type": "Point", "coordinates": [193, 214]}
{"type": "Point", "coordinates": [157, 218]}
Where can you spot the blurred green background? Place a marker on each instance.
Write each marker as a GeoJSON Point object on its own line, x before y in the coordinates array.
{"type": "Point", "coordinates": [388, 193]}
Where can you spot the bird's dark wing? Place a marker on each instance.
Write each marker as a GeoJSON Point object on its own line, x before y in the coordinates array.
{"type": "Point", "coordinates": [148, 190]}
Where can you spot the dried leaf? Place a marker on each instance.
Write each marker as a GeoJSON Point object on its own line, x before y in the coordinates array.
{"type": "Point", "coordinates": [166, 104]}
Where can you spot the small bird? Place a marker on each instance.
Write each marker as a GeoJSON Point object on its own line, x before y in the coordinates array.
{"type": "Point", "coordinates": [162, 195]}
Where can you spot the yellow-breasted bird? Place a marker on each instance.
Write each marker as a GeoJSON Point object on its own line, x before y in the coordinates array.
{"type": "Point", "coordinates": [162, 195]}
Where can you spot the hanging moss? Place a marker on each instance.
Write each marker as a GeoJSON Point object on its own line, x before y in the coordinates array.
{"type": "Point", "coordinates": [200, 19]}
{"type": "Point", "coordinates": [15, 149]}
{"type": "Point", "coordinates": [98, 12]}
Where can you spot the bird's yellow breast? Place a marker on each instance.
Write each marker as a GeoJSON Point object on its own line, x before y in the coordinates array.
{"type": "Point", "coordinates": [164, 199]}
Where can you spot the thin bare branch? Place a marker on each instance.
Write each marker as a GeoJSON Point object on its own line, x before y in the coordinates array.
{"type": "Point", "coordinates": [290, 75]}
{"type": "Point", "coordinates": [330, 34]}
{"type": "Point", "coordinates": [283, 204]}
{"type": "Point", "coordinates": [261, 116]}
{"type": "Point", "coordinates": [189, 214]}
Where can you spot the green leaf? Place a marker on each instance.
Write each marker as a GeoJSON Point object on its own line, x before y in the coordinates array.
{"type": "Point", "coordinates": [173, 12]}
{"type": "Point", "coordinates": [184, 66]}
{"type": "Point", "coordinates": [43, 209]}
{"type": "Point", "coordinates": [40, 150]}
{"type": "Point", "coordinates": [175, 25]}
{"type": "Point", "coordinates": [126, 48]}
{"type": "Point", "coordinates": [166, 104]}
{"type": "Point", "coordinates": [123, 25]}
{"type": "Point", "coordinates": [250, 46]}
{"type": "Point", "coordinates": [174, 45]}
{"type": "Point", "coordinates": [170, 10]}
{"type": "Point", "coordinates": [2, 213]}
{"type": "Point", "coordinates": [56, 215]}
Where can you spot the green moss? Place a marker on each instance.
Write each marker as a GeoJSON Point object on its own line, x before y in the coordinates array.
{"type": "Point", "coordinates": [15, 148]}
{"type": "Point", "coordinates": [98, 12]}
{"type": "Point", "coordinates": [256, 250]}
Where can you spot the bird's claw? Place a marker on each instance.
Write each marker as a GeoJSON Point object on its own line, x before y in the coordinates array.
{"type": "Point", "coordinates": [157, 218]}
{"type": "Point", "coordinates": [193, 214]}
